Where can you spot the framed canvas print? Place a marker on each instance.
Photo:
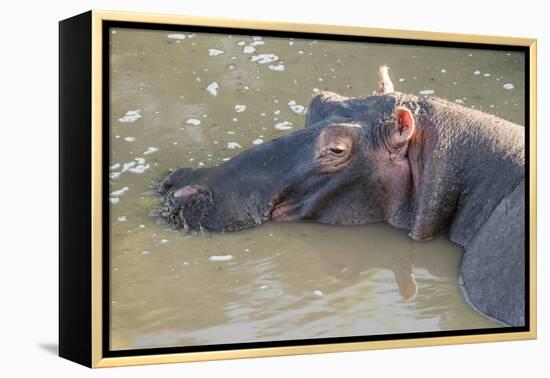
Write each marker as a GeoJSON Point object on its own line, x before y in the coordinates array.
{"type": "Point", "coordinates": [234, 189]}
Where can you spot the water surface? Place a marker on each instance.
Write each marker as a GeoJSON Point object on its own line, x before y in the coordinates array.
{"type": "Point", "coordinates": [193, 100]}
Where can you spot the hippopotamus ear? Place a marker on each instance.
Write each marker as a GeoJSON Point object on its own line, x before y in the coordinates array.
{"type": "Point", "coordinates": [403, 128]}
{"type": "Point", "coordinates": [385, 85]}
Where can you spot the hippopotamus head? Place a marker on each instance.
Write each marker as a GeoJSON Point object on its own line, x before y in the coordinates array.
{"type": "Point", "coordinates": [347, 166]}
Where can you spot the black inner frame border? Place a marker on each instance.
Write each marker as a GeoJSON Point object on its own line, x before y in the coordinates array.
{"type": "Point", "coordinates": [106, 25]}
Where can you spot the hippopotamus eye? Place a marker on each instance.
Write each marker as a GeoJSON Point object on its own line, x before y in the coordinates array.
{"type": "Point", "coordinates": [337, 150]}
{"type": "Point", "coordinates": [334, 148]}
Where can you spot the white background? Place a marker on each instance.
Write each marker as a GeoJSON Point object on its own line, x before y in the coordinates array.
{"type": "Point", "coordinates": [29, 189]}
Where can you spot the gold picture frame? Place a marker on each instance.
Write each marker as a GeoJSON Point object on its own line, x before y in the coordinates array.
{"type": "Point", "coordinates": [82, 286]}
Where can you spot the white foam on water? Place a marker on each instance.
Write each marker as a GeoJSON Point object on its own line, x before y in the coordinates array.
{"type": "Point", "coordinates": [139, 168]}
{"type": "Point", "coordinates": [240, 108]}
{"type": "Point", "coordinates": [177, 36]}
{"type": "Point", "coordinates": [258, 141]}
{"type": "Point", "coordinates": [114, 175]}
{"type": "Point", "coordinates": [284, 125]}
{"type": "Point", "coordinates": [476, 72]}
{"type": "Point", "coordinates": [213, 88]}
{"type": "Point", "coordinates": [114, 166]}
{"type": "Point", "coordinates": [241, 43]}
{"type": "Point", "coordinates": [127, 166]}
{"type": "Point", "coordinates": [130, 116]}
{"type": "Point", "coordinates": [193, 121]}
{"type": "Point", "coordinates": [486, 74]}
{"type": "Point", "coordinates": [129, 139]}
{"type": "Point", "coordinates": [508, 86]}
{"type": "Point", "coordinates": [426, 92]}
{"type": "Point", "coordinates": [140, 160]}
{"type": "Point", "coordinates": [443, 70]}
{"type": "Point", "coordinates": [263, 287]}
{"type": "Point", "coordinates": [315, 90]}
{"type": "Point", "coordinates": [215, 52]}
{"type": "Point", "coordinates": [114, 200]}
{"type": "Point", "coordinates": [257, 38]}
{"type": "Point", "coordinates": [230, 132]}
{"type": "Point", "coordinates": [279, 67]}
{"type": "Point", "coordinates": [264, 58]}
{"type": "Point", "coordinates": [220, 258]}
{"type": "Point", "coordinates": [226, 159]}
{"type": "Point", "coordinates": [145, 252]}
{"type": "Point", "coordinates": [150, 150]}
{"type": "Point", "coordinates": [400, 80]}
{"type": "Point", "coordinates": [249, 49]}
{"type": "Point", "coordinates": [200, 164]}
{"type": "Point", "coordinates": [121, 219]}
{"type": "Point", "coordinates": [233, 145]}
{"type": "Point", "coordinates": [297, 108]}
{"type": "Point", "coordinates": [118, 193]}
{"type": "Point", "coordinates": [318, 293]}
{"type": "Point", "coordinates": [163, 241]}
{"type": "Point", "coordinates": [459, 101]}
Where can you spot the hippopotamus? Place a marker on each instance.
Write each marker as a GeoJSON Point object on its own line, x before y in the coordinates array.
{"type": "Point", "coordinates": [422, 164]}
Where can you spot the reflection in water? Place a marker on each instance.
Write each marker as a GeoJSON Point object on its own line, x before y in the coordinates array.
{"type": "Point", "coordinates": [324, 281]}
{"type": "Point", "coordinates": [184, 99]}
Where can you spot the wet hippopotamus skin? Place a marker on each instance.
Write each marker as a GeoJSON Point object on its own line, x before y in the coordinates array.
{"type": "Point", "coordinates": [421, 164]}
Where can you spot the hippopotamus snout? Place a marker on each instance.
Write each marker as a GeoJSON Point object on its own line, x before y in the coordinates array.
{"type": "Point", "coordinates": [185, 203]}
{"type": "Point", "coordinates": [180, 178]}
{"type": "Point", "coordinates": [187, 206]}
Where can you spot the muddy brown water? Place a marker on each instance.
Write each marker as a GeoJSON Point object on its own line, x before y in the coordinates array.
{"type": "Point", "coordinates": [191, 100]}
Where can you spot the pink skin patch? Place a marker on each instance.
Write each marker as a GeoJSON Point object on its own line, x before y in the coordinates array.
{"type": "Point", "coordinates": [394, 172]}
{"type": "Point", "coordinates": [186, 191]}
{"type": "Point", "coordinates": [282, 212]}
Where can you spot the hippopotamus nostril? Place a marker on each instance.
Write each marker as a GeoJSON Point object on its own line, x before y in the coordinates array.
{"type": "Point", "coordinates": [187, 191]}
{"type": "Point", "coordinates": [178, 179]}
